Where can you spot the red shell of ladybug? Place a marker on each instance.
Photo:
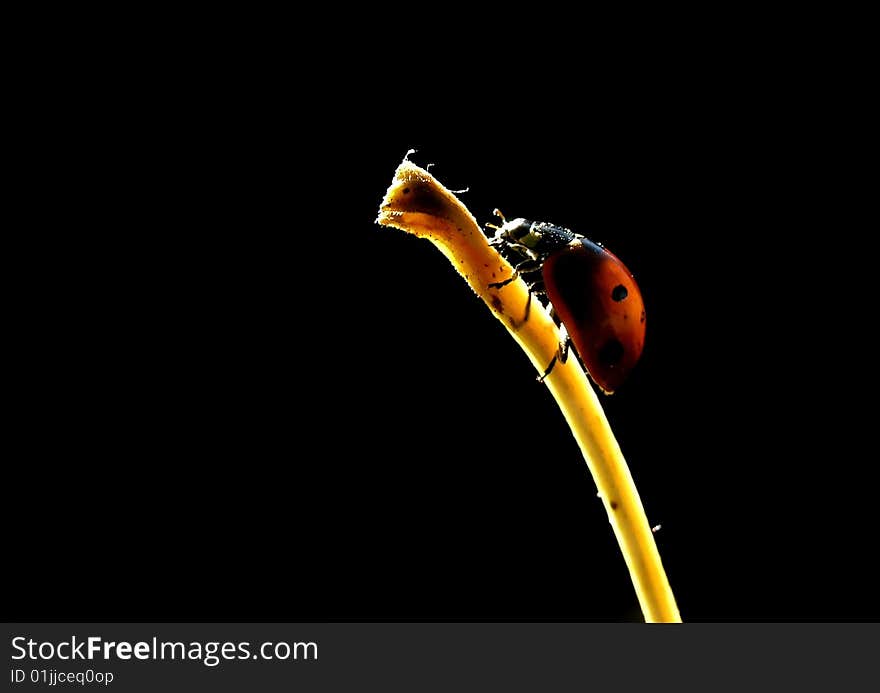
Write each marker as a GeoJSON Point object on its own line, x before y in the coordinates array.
{"type": "Point", "coordinates": [601, 306]}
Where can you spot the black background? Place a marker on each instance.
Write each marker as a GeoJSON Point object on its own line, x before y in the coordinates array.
{"type": "Point", "coordinates": [242, 399]}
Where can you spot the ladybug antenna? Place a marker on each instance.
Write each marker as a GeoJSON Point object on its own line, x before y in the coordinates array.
{"type": "Point", "coordinates": [497, 213]}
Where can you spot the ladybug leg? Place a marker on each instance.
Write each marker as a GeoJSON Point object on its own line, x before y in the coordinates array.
{"type": "Point", "coordinates": [541, 378]}
{"type": "Point", "coordinates": [561, 354]}
{"type": "Point", "coordinates": [536, 288]}
{"type": "Point", "coordinates": [564, 347]}
{"type": "Point", "coordinates": [527, 266]}
{"type": "Point", "coordinates": [528, 309]}
{"type": "Point", "coordinates": [498, 285]}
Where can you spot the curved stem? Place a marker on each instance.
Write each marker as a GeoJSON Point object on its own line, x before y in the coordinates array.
{"type": "Point", "coordinates": [417, 203]}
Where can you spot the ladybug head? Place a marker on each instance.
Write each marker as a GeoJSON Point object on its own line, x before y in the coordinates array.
{"type": "Point", "coordinates": [537, 237]}
{"type": "Point", "coordinates": [517, 231]}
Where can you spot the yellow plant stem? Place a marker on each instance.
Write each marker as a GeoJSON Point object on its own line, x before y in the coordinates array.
{"type": "Point", "coordinates": [417, 203]}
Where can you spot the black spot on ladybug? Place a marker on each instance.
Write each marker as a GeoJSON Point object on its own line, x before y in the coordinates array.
{"type": "Point", "coordinates": [611, 352]}
{"type": "Point", "coordinates": [619, 292]}
{"type": "Point", "coordinates": [406, 191]}
{"type": "Point", "coordinates": [497, 304]}
{"type": "Point", "coordinates": [614, 505]}
{"type": "Point", "coordinates": [643, 317]}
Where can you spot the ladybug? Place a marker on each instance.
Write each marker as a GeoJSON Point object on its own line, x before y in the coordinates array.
{"type": "Point", "coordinates": [589, 290]}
